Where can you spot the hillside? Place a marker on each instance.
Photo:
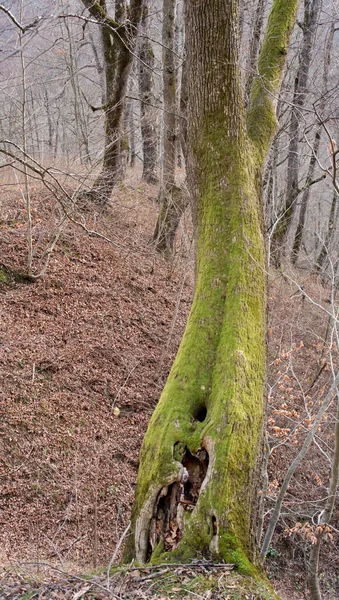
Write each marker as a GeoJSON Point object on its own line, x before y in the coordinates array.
{"type": "Point", "coordinates": [84, 353]}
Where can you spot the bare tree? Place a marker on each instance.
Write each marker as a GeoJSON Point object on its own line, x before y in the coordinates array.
{"type": "Point", "coordinates": [119, 37]}
{"type": "Point", "coordinates": [206, 433]}
{"type": "Point", "coordinates": [147, 122]}
{"type": "Point", "coordinates": [309, 27]}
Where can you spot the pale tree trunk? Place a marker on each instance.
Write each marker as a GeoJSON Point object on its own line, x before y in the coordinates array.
{"type": "Point", "coordinates": [252, 59]}
{"type": "Point", "coordinates": [119, 37]}
{"type": "Point", "coordinates": [172, 198]}
{"type": "Point", "coordinates": [311, 13]}
{"type": "Point", "coordinates": [199, 475]}
{"type": "Point", "coordinates": [312, 165]}
{"type": "Point", "coordinates": [183, 106]}
{"type": "Point", "coordinates": [147, 109]}
{"type": "Point", "coordinates": [131, 134]}
{"type": "Point", "coordinates": [326, 247]}
{"type": "Point", "coordinates": [179, 52]}
{"type": "Point", "coordinates": [79, 116]}
{"type": "Point", "coordinates": [305, 198]}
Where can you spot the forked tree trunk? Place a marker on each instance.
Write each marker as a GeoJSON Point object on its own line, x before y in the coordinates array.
{"type": "Point", "coordinates": [147, 122]}
{"type": "Point", "coordinates": [119, 41]}
{"type": "Point", "coordinates": [198, 480]}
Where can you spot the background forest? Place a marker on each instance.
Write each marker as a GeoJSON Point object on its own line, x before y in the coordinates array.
{"type": "Point", "coordinates": [97, 277]}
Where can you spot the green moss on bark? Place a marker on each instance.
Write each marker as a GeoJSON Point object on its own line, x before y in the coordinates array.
{"type": "Point", "coordinates": [220, 362]}
{"type": "Point", "coordinates": [261, 117]}
{"type": "Point", "coordinates": [220, 365]}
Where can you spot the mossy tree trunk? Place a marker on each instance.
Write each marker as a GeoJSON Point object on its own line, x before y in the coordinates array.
{"type": "Point", "coordinates": [119, 37]}
{"type": "Point", "coordinates": [200, 462]}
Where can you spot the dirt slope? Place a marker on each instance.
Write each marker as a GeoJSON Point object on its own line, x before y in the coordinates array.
{"type": "Point", "coordinates": [98, 333]}
{"type": "Point", "coordinates": [84, 354]}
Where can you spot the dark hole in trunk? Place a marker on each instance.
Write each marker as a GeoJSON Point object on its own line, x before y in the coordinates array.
{"type": "Point", "coordinates": [214, 525]}
{"type": "Point", "coordinates": [197, 468]}
{"type": "Point", "coordinates": [174, 499]}
{"type": "Point", "coordinates": [201, 414]}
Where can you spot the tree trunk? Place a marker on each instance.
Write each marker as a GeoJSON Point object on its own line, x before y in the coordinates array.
{"type": "Point", "coordinates": [252, 59]}
{"type": "Point", "coordinates": [199, 476]}
{"type": "Point", "coordinates": [119, 41]}
{"type": "Point", "coordinates": [148, 127]}
{"type": "Point", "coordinates": [131, 134]}
{"type": "Point", "coordinates": [305, 198]}
{"type": "Point", "coordinates": [325, 251]}
{"type": "Point", "coordinates": [306, 194]}
{"type": "Point", "coordinates": [311, 12]}
{"type": "Point", "coordinates": [183, 106]}
{"type": "Point", "coordinates": [168, 214]}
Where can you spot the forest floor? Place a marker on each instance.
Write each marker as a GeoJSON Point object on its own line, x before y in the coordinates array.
{"type": "Point", "coordinates": [84, 354]}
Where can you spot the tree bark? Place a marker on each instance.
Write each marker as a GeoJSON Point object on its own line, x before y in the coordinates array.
{"type": "Point", "coordinates": [148, 127]}
{"type": "Point", "coordinates": [311, 13]}
{"type": "Point", "coordinates": [312, 165]}
{"type": "Point", "coordinates": [169, 213]}
{"type": "Point", "coordinates": [254, 46]}
{"type": "Point", "coordinates": [305, 198]}
{"type": "Point", "coordinates": [325, 251]}
{"type": "Point", "coordinates": [325, 518]}
{"type": "Point", "coordinates": [206, 434]}
{"type": "Point", "coordinates": [119, 41]}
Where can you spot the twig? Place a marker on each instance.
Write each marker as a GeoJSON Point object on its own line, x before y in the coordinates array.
{"type": "Point", "coordinates": [152, 575]}
{"type": "Point", "coordinates": [169, 337]}
{"type": "Point", "coordinates": [192, 565]}
{"type": "Point", "coordinates": [70, 576]}
{"type": "Point", "coordinates": [124, 384]}
{"type": "Point", "coordinates": [116, 552]}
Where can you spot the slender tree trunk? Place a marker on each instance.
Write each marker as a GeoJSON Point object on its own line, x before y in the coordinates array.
{"type": "Point", "coordinates": [131, 134]}
{"type": "Point", "coordinates": [305, 199]}
{"type": "Point", "coordinates": [168, 215]}
{"type": "Point", "coordinates": [326, 246]}
{"type": "Point", "coordinates": [80, 119]}
{"type": "Point", "coordinates": [119, 41]}
{"type": "Point", "coordinates": [148, 126]}
{"type": "Point", "coordinates": [183, 106]}
{"type": "Point", "coordinates": [49, 122]}
{"type": "Point", "coordinates": [178, 49]}
{"type": "Point", "coordinates": [206, 434]}
{"type": "Point", "coordinates": [312, 165]}
{"type": "Point", "coordinates": [252, 59]}
{"type": "Point", "coordinates": [311, 13]}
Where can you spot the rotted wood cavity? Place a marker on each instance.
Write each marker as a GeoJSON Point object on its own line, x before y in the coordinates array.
{"type": "Point", "coordinates": [176, 499]}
